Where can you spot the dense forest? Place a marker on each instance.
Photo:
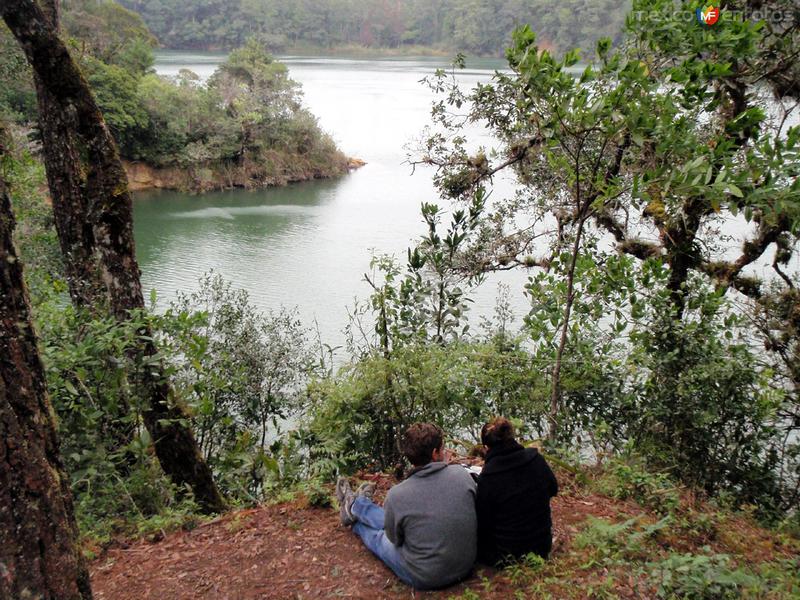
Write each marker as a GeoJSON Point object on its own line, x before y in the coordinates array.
{"type": "Point", "coordinates": [246, 128]}
{"type": "Point", "coordinates": [477, 27]}
{"type": "Point", "coordinates": [656, 366]}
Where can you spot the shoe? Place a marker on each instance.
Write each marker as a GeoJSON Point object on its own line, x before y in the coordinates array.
{"type": "Point", "coordinates": [366, 490]}
{"type": "Point", "coordinates": [342, 484]}
{"type": "Point", "coordinates": [346, 498]}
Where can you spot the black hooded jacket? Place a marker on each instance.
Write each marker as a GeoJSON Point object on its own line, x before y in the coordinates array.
{"type": "Point", "coordinates": [513, 504]}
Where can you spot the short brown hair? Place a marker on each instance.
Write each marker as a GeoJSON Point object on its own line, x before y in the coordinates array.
{"type": "Point", "coordinates": [419, 442]}
{"type": "Point", "coordinates": [497, 431]}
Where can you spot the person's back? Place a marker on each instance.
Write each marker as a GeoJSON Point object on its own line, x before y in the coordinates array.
{"type": "Point", "coordinates": [513, 501]}
{"type": "Point", "coordinates": [426, 531]}
{"type": "Point", "coordinates": [431, 517]}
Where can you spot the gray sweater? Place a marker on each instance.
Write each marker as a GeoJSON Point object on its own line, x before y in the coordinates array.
{"type": "Point", "coordinates": [431, 517]}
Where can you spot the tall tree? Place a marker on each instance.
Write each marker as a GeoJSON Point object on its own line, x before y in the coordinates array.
{"type": "Point", "coordinates": [39, 553]}
{"type": "Point", "coordinates": [664, 140]}
{"type": "Point", "coordinates": [92, 205]}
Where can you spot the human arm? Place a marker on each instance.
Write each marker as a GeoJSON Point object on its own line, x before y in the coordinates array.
{"type": "Point", "coordinates": [485, 514]}
{"type": "Point", "coordinates": [392, 526]}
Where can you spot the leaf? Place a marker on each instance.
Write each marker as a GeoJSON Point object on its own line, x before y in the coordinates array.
{"type": "Point", "coordinates": [735, 191]}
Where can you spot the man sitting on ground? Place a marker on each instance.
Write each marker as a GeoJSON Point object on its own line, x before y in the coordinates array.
{"type": "Point", "coordinates": [427, 531]}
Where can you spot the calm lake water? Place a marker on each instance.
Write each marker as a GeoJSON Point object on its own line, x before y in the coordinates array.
{"type": "Point", "coordinates": [309, 244]}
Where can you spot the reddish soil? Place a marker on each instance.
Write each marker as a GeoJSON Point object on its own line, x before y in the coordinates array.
{"type": "Point", "coordinates": [283, 551]}
{"type": "Point", "coordinates": [293, 551]}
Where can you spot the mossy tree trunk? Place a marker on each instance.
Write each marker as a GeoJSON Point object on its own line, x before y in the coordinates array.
{"type": "Point", "coordinates": [92, 206]}
{"type": "Point", "coordinates": [39, 552]}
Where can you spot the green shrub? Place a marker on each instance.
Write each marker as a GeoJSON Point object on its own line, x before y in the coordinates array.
{"type": "Point", "coordinates": [355, 418]}
{"type": "Point", "coordinates": [700, 577]}
{"type": "Point", "coordinates": [316, 493]}
{"type": "Point", "coordinates": [625, 479]}
{"type": "Point", "coordinates": [626, 541]}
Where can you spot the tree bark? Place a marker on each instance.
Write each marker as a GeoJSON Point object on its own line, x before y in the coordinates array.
{"type": "Point", "coordinates": [39, 552]}
{"type": "Point", "coordinates": [92, 205]}
{"type": "Point", "coordinates": [555, 390]}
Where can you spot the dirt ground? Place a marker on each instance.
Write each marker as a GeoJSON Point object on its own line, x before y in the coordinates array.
{"type": "Point", "coordinates": [283, 551]}
{"type": "Point", "coordinates": [292, 551]}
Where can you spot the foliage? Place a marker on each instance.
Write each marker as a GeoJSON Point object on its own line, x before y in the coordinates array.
{"type": "Point", "coordinates": [249, 112]}
{"type": "Point", "coordinates": [249, 117]}
{"type": "Point", "coordinates": [430, 301]}
{"type": "Point", "coordinates": [629, 171]}
{"type": "Point", "coordinates": [17, 94]}
{"type": "Point", "coordinates": [522, 569]}
{"type": "Point", "coordinates": [464, 25]}
{"type": "Point", "coordinates": [701, 577]}
{"type": "Point", "coordinates": [316, 493]}
{"type": "Point", "coordinates": [35, 235]}
{"type": "Point", "coordinates": [116, 92]}
{"type": "Point", "coordinates": [626, 541]}
{"type": "Point", "coordinates": [106, 450]}
{"type": "Point", "coordinates": [356, 416]}
{"type": "Point", "coordinates": [109, 33]}
{"type": "Point", "coordinates": [242, 373]}
{"type": "Point", "coordinates": [239, 372]}
{"type": "Point", "coordinates": [623, 479]}
{"type": "Point", "coordinates": [702, 410]}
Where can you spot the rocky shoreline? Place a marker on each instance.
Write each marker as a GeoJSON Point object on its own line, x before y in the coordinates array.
{"type": "Point", "coordinates": [278, 170]}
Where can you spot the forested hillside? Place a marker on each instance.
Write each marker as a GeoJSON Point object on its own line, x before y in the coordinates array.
{"type": "Point", "coordinates": [478, 27]}
{"type": "Point", "coordinates": [246, 128]}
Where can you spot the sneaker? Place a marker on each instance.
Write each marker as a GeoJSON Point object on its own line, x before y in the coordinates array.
{"type": "Point", "coordinates": [366, 489]}
{"type": "Point", "coordinates": [342, 484]}
{"type": "Point", "coordinates": [346, 498]}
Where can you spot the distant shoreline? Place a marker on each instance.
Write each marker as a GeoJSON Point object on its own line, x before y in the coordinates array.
{"type": "Point", "coordinates": [343, 50]}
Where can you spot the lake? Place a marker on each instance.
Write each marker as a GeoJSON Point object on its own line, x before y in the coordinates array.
{"type": "Point", "coordinates": [309, 244]}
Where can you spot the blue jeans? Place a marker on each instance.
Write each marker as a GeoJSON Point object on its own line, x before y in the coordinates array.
{"type": "Point", "coordinates": [369, 527]}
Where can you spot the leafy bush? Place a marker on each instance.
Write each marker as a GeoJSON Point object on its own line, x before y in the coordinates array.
{"type": "Point", "coordinates": [626, 541]}
{"type": "Point", "coordinates": [107, 452]}
{"type": "Point", "coordinates": [242, 373]}
{"type": "Point", "coordinates": [701, 409]}
{"type": "Point", "coordinates": [700, 577]}
{"type": "Point", "coordinates": [623, 479]}
{"type": "Point", "coordinates": [356, 417]}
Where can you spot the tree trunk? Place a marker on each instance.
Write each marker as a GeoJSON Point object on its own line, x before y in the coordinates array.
{"type": "Point", "coordinates": [92, 205]}
{"type": "Point", "coordinates": [555, 390]}
{"type": "Point", "coordinates": [61, 150]}
{"type": "Point", "coordinates": [39, 552]}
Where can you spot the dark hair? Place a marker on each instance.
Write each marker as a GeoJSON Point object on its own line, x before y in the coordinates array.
{"type": "Point", "coordinates": [497, 431]}
{"type": "Point", "coordinates": [419, 442]}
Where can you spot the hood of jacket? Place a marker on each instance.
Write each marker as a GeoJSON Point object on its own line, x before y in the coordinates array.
{"type": "Point", "coordinates": [427, 470]}
{"type": "Point", "coordinates": [507, 457]}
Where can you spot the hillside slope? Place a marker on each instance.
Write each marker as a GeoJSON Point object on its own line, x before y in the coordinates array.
{"type": "Point", "coordinates": [604, 548]}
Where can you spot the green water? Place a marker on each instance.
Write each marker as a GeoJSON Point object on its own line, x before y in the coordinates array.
{"type": "Point", "coordinates": [309, 244]}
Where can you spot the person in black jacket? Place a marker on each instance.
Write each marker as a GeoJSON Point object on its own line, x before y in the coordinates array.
{"type": "Point", "coordinates": [513, 501]}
